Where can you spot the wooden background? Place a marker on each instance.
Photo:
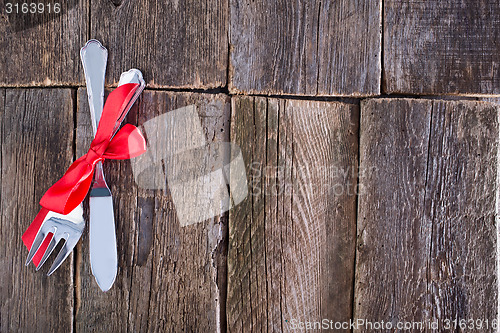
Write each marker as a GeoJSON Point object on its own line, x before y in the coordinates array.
{"type": "Point", "coordinates": [370, 134]}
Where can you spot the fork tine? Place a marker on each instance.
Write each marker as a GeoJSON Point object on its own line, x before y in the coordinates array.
{"type": "Point", "coordinates": [68, 246]}
{"type": "Point", "coordinates": [40, 236]}
{"type": "Point", "coordinates": [48, 251]}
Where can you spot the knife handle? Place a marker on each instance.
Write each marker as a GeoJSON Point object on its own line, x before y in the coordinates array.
{"type": "Point", "coordinates": [94, 58]}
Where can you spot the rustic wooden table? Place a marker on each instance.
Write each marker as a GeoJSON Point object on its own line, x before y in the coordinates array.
{"type": "Point", "coordinates": [369, 130]}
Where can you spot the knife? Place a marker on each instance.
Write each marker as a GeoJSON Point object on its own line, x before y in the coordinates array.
{"type": "Point", "coordinates": [102, 237]}
{"type": "Point", "coordinates": [102, 244]}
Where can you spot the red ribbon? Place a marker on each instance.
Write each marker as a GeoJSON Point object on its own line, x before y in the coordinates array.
{"type": "Point", "coordinates": [69, 191]}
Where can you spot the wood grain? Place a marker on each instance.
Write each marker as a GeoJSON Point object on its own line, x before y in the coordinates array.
{"type": "Point", "coordinates": [427, 234]}
{"type": "Point", "coordinates": [36, 141]}
{"type": "Point", "coordinates": [43, 48]}
{"type": "Point", "coordinates": [170, 277]}
{"type": "Point", "coordinates": [291, 241]}
{"type": "Point", "coordinates": [305, 47]}
{"type": "Point", "coordinates": [441, 47]}
{"type": "Point", "coordinates": [181, 44]}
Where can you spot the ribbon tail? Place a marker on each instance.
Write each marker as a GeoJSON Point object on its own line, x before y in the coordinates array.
{"type": "Point", "coordinates": [30, 234]}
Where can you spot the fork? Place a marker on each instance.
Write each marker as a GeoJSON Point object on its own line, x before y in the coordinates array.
{"type": "Point", "coordinates": [68, 227]}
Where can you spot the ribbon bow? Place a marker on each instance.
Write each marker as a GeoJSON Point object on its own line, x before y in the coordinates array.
{"type": "Point", "coordinates": [69, 191]}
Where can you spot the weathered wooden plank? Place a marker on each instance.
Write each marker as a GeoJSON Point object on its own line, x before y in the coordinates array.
{"type": "Point", "coordinates": [291, 241]}
{"type": "Point", "coordinates": [494, 100]}
{"type": "Point", "coordinates": [170, 277]}
{"type": "Point", "coordinates": [441, 47]}
{"type": "Point", "coordinates": [36, 140]}
{"type": "Point", "coordinates": [180, 44]}
{"type": "Point", "coordinates": [427, 235]}
{"type": "Point", "coordinates": [42, 48]}
{"type": "Point", "coordinates": [305, 47]}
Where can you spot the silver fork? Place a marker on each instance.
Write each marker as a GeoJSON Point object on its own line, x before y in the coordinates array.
{"type": "Point", "coordinates": [68, 227]}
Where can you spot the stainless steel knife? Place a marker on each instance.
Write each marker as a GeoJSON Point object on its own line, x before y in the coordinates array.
{"type": "Point", "coordinates": [103, 252]}
{"type": "Point", "coordinates": [102, 235]}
